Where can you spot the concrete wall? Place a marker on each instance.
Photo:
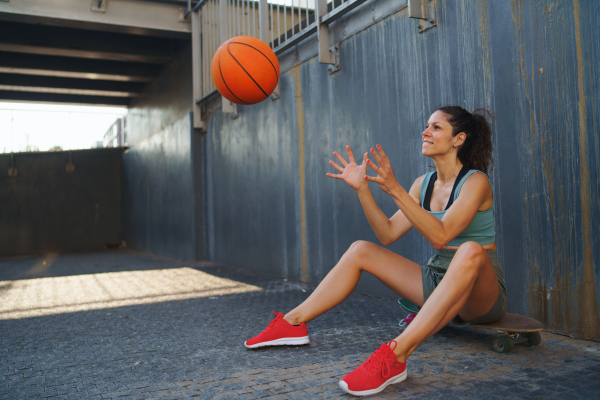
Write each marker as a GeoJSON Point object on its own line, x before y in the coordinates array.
{"type": "Point", "coordinates": [158, 183]}
{"type": "Point", "coordinates": [270, 207]}
{"type": "Point", "coordinates": [46, 209]}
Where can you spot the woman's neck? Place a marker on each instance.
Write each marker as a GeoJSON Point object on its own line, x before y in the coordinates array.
{"type": "Point", "coordinates": [447, 169]}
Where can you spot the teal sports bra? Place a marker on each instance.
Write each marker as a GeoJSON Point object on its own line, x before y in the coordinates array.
{"type": "Point", "coordinates": [481, 228]}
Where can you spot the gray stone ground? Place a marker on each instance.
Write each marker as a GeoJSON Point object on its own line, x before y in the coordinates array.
{"type": "Point", "coordinates": [193, 348]}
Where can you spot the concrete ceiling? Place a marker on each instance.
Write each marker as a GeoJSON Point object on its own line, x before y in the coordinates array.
{"type": "Point", "coordinates": [87, 51]}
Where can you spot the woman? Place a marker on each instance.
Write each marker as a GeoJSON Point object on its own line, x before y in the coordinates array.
{"type": "Point", "coordinates": [452, 208]}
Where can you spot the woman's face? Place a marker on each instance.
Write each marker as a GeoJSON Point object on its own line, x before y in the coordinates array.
{"type": "Point", "coordinates": [437, 137]}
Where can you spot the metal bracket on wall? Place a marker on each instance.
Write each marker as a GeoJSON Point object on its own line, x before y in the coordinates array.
{"type": "Point", "coordinates": [99, 6]}
{"type": "Point", "coordinates": [275, 94]}
{"type": "Point", "coordinates": [183, 17]}
{"type": "Point", "coordinates": [423, 10]}
{"type": "Point", "coordinates": [12, 170]}
{"type": "Point", "coordinates": [335, 67]}
{"type": "Point", "coordinates": [184, 13]}
{"type": "Point", "coordinates": [70, 167]}
{"type": "Point", "coordinates": [326, 55]}
{"type": "Point", "coordinates": [229, 107]}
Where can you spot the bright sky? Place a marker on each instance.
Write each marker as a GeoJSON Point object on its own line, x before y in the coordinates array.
{"type": "Point", "coordinates": [31, 126]}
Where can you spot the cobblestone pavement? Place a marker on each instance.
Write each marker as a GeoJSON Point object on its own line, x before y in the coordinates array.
{"type": "Point", "coordinates": [148, 333]}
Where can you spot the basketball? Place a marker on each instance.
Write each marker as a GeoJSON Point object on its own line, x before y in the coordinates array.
{"type": "Point", "coordinates": [245, 70]}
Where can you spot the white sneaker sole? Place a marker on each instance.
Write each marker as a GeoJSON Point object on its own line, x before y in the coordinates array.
{"type": "Point", "coordinates": [291, 341]}
{"type": "Point", "coordinates": [391, 381]}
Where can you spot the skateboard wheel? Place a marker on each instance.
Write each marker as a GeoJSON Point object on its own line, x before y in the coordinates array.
{"type": "Point", "coordinates": [503, 344]}
{"type": "Point", "coordinates": [533, 338]}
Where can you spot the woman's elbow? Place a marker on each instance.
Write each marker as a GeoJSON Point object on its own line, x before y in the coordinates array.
{"type": "Point", "coordinates": [439, 244]}
{"type": "Point", "coordinates": [386, 240]}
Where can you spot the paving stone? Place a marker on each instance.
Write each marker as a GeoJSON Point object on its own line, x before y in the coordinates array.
{"type": "Point", "coordinates": [193, 347]}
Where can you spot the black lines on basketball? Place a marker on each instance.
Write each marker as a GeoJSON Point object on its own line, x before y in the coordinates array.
{"type": "Point", "coordinates": [264, 55]}
{"type": "Point", "coordinates": [227, 86]}
{"type": "Point", "coordinates": [242, 67]}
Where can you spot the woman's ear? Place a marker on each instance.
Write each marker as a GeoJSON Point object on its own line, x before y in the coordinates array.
{"type": "Point", "coordinates": [459, 139]}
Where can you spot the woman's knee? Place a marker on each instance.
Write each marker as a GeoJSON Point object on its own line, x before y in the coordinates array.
{"type": "Point", "coordinates": [471, 255]}
{"type": "Point", "coordinates": [360, 251]}
{"type": "Point", "coordinates": [359, 248]}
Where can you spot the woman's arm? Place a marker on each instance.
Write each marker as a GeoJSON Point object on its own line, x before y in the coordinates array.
{"type": "Point", "coordinates": [387, 230]}
{"type": "Point", "coordinates": [392, 229]}
{"type": "Point", "coordinates": [457, 218]}
{"type": "Point", "coordinates": [473, 194]}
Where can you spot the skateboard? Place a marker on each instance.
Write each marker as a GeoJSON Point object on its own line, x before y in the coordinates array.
{"type": "Point", "coordinates": [516, 329]}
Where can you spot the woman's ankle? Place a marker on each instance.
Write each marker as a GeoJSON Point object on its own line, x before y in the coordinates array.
{"type": "Point", "coordinates": [400, 353]}
{"type": "Point", "coordinates": [292, 319]}
{"type": "Point", "coordinates": [401, 359]}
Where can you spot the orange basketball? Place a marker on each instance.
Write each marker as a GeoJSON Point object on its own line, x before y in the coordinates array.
{"type": "Point", "coordinates": [245, 70]}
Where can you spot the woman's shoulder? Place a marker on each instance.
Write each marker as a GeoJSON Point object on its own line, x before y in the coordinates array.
{"type": "Point", "coordinates": [416, 188]}
{"type": "Point", "coordinates": [476, 177]}
{"type": "Point", "coordinates": [418, 183]}
{"type": "Point", "coordinates": [476, 181]}
{"type": "Point", "coordinates": [420, 179]}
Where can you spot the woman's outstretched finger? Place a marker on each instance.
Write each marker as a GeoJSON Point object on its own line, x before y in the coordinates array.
{"type": "Point", "coordinates": [334, 165]}
{"type": "Point", "coordinates": [336, 176]}
{"type": "Point", "coordinates": [374, 167]}
{"type": "Point", "coordinates": [380, 149]}
{"type": "Point", "coordinates": [375, 179]}
{"type": "Point", "coordinates": [350, 155]}
{"type": "Point", "coordinates": [376, 155]}
{"type": "Point", "coordinates": [339, 157]}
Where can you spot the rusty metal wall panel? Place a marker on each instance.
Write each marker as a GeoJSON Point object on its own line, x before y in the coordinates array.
{"type": "Point", "coordinates": [556, 54]}
{"type": "Point", "coordinates": [270, 207]}
{"type": "Point", "coordinates": [252, 193]}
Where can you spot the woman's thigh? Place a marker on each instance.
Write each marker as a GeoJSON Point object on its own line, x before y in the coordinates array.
{"type": "Point", "coordinates": [399, 274]}
{"type": "Point", "coordinates": [486, 288]}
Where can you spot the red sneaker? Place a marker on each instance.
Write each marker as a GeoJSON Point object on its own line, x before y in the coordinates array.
{"type": "Point", "coordinates": [375, 374]}
{"type": "Point", "coordinates": [279, 333]}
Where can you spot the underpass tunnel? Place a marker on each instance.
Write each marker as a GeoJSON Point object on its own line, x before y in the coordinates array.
{"type": "Point", "coordinates": [195, 177]}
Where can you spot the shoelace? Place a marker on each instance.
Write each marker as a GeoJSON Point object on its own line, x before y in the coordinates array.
{"type": "Point", "coordinates": [278, 318]}
{"type": "Point", "coordinates": [379, 362]}
{"type": "Point", "coordinates": [409, 318]}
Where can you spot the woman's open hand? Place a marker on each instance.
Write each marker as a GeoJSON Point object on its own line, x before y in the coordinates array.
{"type": "Point", "coordinates": [351, 173]}
{"type": "Point", "coordinates": [385, 175]}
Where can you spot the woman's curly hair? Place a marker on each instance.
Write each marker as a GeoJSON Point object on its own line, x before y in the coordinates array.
{"type": "Point", "coordinates": [476, 150]}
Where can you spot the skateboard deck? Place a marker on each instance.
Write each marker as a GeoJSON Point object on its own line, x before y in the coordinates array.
{"type": "Point", "coordinates": [516, 329]}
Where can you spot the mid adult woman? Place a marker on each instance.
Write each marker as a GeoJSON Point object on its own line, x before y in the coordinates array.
{"type": "Point", "coordinates": [452, 208]}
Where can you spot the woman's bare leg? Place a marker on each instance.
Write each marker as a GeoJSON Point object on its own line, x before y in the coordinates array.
{"type": "Point", "coordinates": [401, 275]}
{"type": "Point", "coordinates": [469, 288]}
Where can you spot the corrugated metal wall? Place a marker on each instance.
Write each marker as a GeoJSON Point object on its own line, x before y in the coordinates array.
{"type": "Point", "coordinates": [270, 207]}
{"type": "Point", "coordinates": [158, 179]}
{"type": "Point", "coordinates": [556, 56]}
{"type": "Point", "coordinates": [47, 209]}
